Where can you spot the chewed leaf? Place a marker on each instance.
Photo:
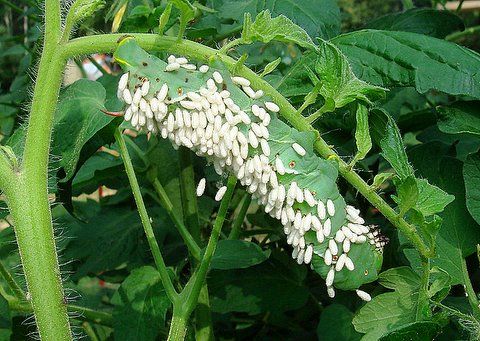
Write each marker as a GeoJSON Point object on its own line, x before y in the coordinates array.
{"type": "Point", "coordinates": [236, 128]}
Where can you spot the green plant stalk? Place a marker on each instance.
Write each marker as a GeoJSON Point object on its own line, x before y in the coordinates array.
{"type": "Point", "coordinates": [178, 326]}
{"type": "Point", "coordinates": [188, 193]}
{"type": "Point", "coordinates": [203, 318]}
{"type": "Point", "coordinates": [108, 43]}
{"type": "Point", "coordinates": [423, 300]}
{"type": "Point", "coordinates": [471, 295]}
{"type": "Point", "coordinates": [28, 201]}
{"type": "Point", "coordinates": [461, 34]}
{"type": "Point", "coordinates": [12, 284]}
{"type": "Point", "coordinates": [194, 285]}
{"type": "Point", "coordinates": [189, 296]}
{"type": "Point", "coordinates": [192, 246]}
{"type": "Point", "coordinates": [89, 331]}
{"type": "Point", "coordinates": [152, 242]}
{"type": "Point", "coordinates": [238, 222]}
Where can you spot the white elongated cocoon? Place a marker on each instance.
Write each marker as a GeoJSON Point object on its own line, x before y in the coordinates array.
{"type": "Point", "coordinates": [220, 193]}
{"type": "Point", "coordinates": [364, 295]}
{"type": "Point", "coordinates": [201, 187]}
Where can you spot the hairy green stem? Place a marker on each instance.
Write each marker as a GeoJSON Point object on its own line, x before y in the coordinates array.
{"type": "Point", "coordinates": [178, 326]}
{"type": "Point", "coordinates": [422, 310]}
{"type": "Point", "coordinates": [238, 222]}
{"type": "Point", "coordinates": [28, 201]}
{"type": "Point", "coordinates": [471, 295]}
{"type": "Point", "coordinates": [108, 43]}
{"type": "Point", "coordinates": [78, 312]}
{"type": "Point", "coordinates": [142, 210]}
{"type": "Point", "coordinates": [192, 246]}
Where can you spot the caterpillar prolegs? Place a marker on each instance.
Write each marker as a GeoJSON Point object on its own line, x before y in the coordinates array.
{"type": "Point", "coordinates": [236, 127]}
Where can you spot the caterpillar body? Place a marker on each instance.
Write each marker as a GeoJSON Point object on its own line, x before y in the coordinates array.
{"type": "Point", "coordinates": [223, 118]}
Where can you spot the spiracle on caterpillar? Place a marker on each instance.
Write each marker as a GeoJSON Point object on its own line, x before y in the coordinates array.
{"type": "Point", "coordinates": [224, 119]}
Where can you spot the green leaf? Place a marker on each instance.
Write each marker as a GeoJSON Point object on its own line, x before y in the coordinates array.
{"type": "Point", "coordinates": [407, 194]}
{"type": "Point", "coordinates": [108, 238]}
{"type": "Point", "coordinates": [439, 281]}
{"type": "Point", "coordinates": [459, 233]}
{"type": "Point", "coordinates": [318, 18]}
{"type": "Point", "coordinates": [460, 117]}
{"type": "Point", "coordinates": [391, 59]}
{"type": "Point", "coordinates": [362, 134]}
{"type": "Point", "coordinates": [237, 254]}
{"type": "Point", "coordinates": [431, 199]}
{"type": "Point", "coordinates": [270, 67]}
{"type": "Point", "coordinates": [418, 331]}
{"type": "Point", "coordinates": [471, 174]}
{"type": "Point", "coordinates": [5, 319]}
{"type": "Point", "coordinates": [187, 13]}
{"type": "Point", "coordinates": [162, 22]}
{"type": "Point", "coordinates": [379, 179]}
{"type": "Point", "coordinates": [338, 81]}
{"type": "Point", "coordinates": [426, 21]}
{"type": "Point", "coordinates": [77, 119]}
{"type": "Point", "coordinates": [386, 134]}
{"type": "Point", "coordinates": [280, 28]}
{"type": "Point", "coordinates": [271, 286]}
{"type": "Point", "coordinates": [141, 306]}
{"type": "Point", "coordinates": [389, 311]}
{"type": "Point", "coordinates": [336, 324]}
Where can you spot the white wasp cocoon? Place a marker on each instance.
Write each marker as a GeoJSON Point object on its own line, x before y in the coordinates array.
{"type": "Point", "coordinates": [172, 67]}
{"type": "Point", "coordinates": [203, 68]}
{"type": "Point", "coordinates": [299, 149]}
{"type": "Point", "coordinates": [201, 187]}
{"type": "Point", "coordinates": [330, 208]}
{"type": "Point", "coordinates": [217, 77]}
{"type": "Point", "coordinates": [220, 193]}
{"type": "Point", "coordinates": [330, 277]}
{"type": "Point", "coordinates": [321, 211]}
{"type": "Point", "coordinates": [241, 81]}
{"type": "Point", "coordinates": [364, 295]}
{"type": "Point", "coordinates": [272, 107]}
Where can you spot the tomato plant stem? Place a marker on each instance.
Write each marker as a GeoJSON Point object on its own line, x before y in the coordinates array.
{"type": "Point", "coordinates": [471, 295]}
{"type": "Point", "coordinates": [188, 193]}
{"type": "Point", "coordinates": [108, 42]}
{"type": "Point", "coordinates": [237, 223]}
{"type": "Point", "coordinates": [192, 246]}
{"type": "Point", "coordinates": [203, 318]}
{"type": "Point", "coordinates": [188, 299]}
{"type": "Point", "coordinates": [178, 326]}
{"type": "Point", "coordinates": [152, 242]}
{"type": "Point", "coordinates": [28, 200]}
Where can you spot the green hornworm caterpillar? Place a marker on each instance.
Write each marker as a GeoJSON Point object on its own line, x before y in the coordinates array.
{"type": "Point", "coordinates": [220, 117]}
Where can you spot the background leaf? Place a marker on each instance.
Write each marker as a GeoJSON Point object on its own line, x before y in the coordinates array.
{"type": "Point", "coordinates": [426, 21]}
{"type": "Point", "coordinates": [140, 306]}
{"type": "Point", "coordinates": [389, 58]}
{"type": "Point", "coordinates": [460, 117]}
{"type": "Point", "coordinates": [237, 254]}
{"type": "Point", "coordinates": [471, 174]}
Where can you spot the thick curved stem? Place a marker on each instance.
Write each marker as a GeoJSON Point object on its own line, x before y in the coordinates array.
{"type": "Point", "coordinates": [29, 203]}
{"type": "Point", "coordinates": [108, 42]}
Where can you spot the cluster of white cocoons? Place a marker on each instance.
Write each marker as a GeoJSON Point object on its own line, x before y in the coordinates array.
{"type": "Point", "coordinates": [210, 123]}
